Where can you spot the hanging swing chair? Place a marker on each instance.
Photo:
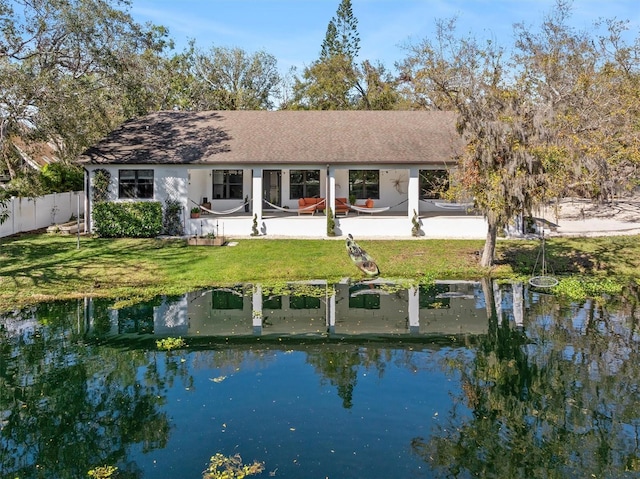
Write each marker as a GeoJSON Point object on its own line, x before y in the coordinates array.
{"type": "Point", "coordinates": [543, 280]}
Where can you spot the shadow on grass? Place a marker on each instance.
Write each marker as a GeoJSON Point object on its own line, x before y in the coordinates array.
{"type": "Point", "coordinates": [568, 256]}
{"type": "Point", "coordinates": [51, 260]}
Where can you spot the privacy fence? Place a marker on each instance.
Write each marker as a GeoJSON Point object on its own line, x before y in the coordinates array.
{"type": "Point", "coordinates": [28, 214]}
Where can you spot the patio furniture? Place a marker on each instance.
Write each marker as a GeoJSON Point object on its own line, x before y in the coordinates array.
{"type": "Point", "coordinates": [310, 205]}
{"type": "Point", "coordinates": [342, 207]}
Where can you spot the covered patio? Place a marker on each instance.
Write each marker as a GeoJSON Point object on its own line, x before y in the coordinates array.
{"type": "Point", "coordinates": [276, 213]}
{"type": "Point", "coordinates": [454, 225]}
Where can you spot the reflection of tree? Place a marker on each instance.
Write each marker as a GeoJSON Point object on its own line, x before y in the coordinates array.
{"type": "Point", "coordinates": [340, 366]}
{"type": "Point", "coordinates": [66, 406]}
{"type": "Point", "coordinates": [560, 402]}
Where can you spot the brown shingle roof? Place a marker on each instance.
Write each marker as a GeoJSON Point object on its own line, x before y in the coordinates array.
{"type": "Point", "coordinates": [294, 137]}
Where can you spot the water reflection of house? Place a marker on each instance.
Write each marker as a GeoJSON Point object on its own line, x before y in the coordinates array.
{"type": "Point", "coordinates": [242, 311]}
{"type": "Point", "coordinates": [220, 312]}
{"type": "Point", "coordinates": [366, 308]}
{"type": "Point", "coordinates": [374, 307]}
{"type": "Point", "coordinates": [451, 308]}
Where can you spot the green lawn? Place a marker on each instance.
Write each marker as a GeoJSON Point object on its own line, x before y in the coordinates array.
{"type": "Point", "coordinates": [41, 267]}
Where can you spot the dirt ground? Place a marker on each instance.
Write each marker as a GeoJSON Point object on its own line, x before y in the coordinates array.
{"type": "Point", "coordinates": [581, 217]}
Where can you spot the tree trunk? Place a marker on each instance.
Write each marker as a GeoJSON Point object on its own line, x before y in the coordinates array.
{"type": "Point", "coordinates": [489, 246]}
{"type": "Point", "coordinates": [490, 304]}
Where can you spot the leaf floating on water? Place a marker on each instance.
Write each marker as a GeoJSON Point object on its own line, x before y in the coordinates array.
{"type": "Point", "coordinates": [219, 379]}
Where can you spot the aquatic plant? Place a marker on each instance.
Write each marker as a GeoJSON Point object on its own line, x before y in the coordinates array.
{"type": "Point", "coordinates": [580, 288]}
{"type": "Point", "coordinates": [297, 289]}
{"type": "Point", "coordinates": [230, 467]}
{"type": "Point", "coordinates": [103, 472]}
{"type": "Point", "coordinates": [167, 344]}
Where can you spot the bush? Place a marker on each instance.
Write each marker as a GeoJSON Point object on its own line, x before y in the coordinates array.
{"type": "Point", "coordinates": [172, 223]}
{"type": "Point", "coordinates": [101, 181]}
{"type": "Point", "coordinates": [128, 220]}
{"type": "Point", "coordinates": [61, 177]}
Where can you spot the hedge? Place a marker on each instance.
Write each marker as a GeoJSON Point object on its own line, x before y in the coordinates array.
{"type": "Point", "coordinates": [128, 220]}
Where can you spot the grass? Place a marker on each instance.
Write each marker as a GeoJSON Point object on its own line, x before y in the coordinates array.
{"type": "Point", "coordinates": [41, 267]}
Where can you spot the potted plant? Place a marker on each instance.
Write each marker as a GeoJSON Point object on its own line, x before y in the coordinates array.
{"type": "Point", "coordinates": [195, 212]}
{"type": "Point", "coordinates": [246, 204]}
{"type": "Point", "coordinates": [352, 199]}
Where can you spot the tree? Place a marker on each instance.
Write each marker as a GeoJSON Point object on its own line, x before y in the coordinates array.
{"type": "Point", "coordinates": [65, 70]}
{"type": "Point", "coordinates": [500, 168]}
{"type": "Point", "coordinates": [335, 81]}
{"type": "Point", "coordinates": [232, 79]}
{"type": "Point", "coordinates": [342, 37]}
{"type": "Point", "coordinates": [4, 213]}
{"type": "Point", "coordinates": [537, 406]}
{"type": "Point", "coordinates": [325, 85]}
{"type": "Point", "coordinates": [588, 86]}
{"type": "Point", "coordinates": [559, 115]}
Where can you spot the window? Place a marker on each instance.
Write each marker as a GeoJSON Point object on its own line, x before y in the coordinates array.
{"type": "Point", "coordinates": [364, 184]}
{"type": "Point", "coordinates": [363, 301]}
{"type": "Point", "coordinates": [228, 299]}
{"type": "Point", "coordinates": [227, 184]}
{"type": "Point", "coordinates": [433, 183]}
{"type": "Point", "coordinates": [304, 183]}
{"type": "Point", "coordinates": [430, 297]}
{"type": "Point", "coordinates": [304, 302]}
{"type": "Point", "coordinates": [271, 302]}
{"type": "Point", "coordinates": [135, 184]}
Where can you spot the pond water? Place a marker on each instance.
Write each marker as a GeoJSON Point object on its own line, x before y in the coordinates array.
{"type": "Point", "coordinates": [352, 380]}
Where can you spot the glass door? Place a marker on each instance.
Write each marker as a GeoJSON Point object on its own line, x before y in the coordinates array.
{"type": "Point", "coordinates": [271, 187]}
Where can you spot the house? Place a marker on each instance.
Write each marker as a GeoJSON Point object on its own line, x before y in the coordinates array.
{"type": "Point", "coordinates": [271, 159]}
{"type": "Point", "coordinates": [32, 156]}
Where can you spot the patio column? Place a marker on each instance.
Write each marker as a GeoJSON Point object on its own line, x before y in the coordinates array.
{"type": "Point", "coordinates": [256, 193]}
{"type": "Point", "coordinates": [413, 192]}
{"type": "Point", "coordinates": [331, 311]}
{"type": "Point", "coordinates": [414, 309]}
{"type": "Point", "coordinates": [256, 305]}
{"type": "Point", "coordinates": [331, 189]}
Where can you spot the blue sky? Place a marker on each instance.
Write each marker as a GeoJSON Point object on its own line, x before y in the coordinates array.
{"type": "Point", "coordinates": [293, 30]}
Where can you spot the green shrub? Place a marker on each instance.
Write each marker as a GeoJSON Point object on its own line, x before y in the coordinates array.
{"type": "Point", "coordinates": [172, 222]}
{"type": "Point", "coordinates": [331, 223]}
{"type": "Point", "coordinates": [61, 177]}
{"type": "Point", "coordinates": [128, 220]}
{"type": "Point", "coordinates": [101, 181]}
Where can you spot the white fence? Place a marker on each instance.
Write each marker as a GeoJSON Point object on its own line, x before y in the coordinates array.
{"type": "Point", "coordinates": [28, 214]}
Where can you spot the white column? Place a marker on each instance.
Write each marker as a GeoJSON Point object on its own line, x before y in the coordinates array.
{"type": "Point", "coordinates": [331, 309]}
{"type": "Point", "coordinates": [413, 192]}
{"type": "Point", "coordinates": [414, 309]}
{"type": "Point", "coordinates": [518, 303]}
{"type": "Point", "coordinates": [256, 307]}
{"type": "Point", "coordinates": [256, 193]}
{"type": "Point", "coordinates": [331, 194]}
